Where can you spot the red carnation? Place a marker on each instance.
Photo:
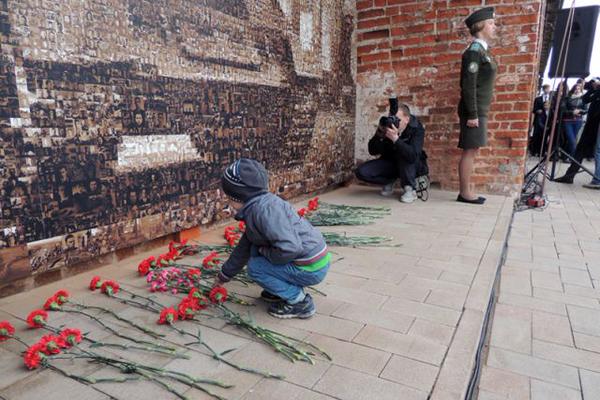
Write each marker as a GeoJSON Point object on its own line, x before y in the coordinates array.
{"type": "Point", "coordinates": [37, 318]}
{"type": "Point", "coordinates": [71, 336]}
{"type": "Point", "coordinates": [194, 273]}
{"type": "Point", "coordinates": [167, 316]}
{"type": "Point", "coordinates": [51, 344]}
{"type": "Point", "coordinates": [218, 294]}
{"type": "Point", "coordinates": [33, 356]}
{"type": "Point", "coordinates": [110, 288]}
{"type": "Point", "coordinates": [302, 212]}
{"type": "Point", "coordinates": [186, 309]}
{"type": "Point", "coordinates": [313, 204]}
{"type": "Point", "coordinates": [62, 296]}
{"type": "Point", "coordinates": [6, 331]}
{"type": "Point", "coordinates": [177, 245]}
{"type": "Point", "coordinates": [211, 260]}
{"type": "Point", "coordinates": [52, 304]}
{"type": "Point", "coordinates": [242, 226]}
{"type": "Point", "coordinates": [164, 259]}
{"type": "Point", "coordinates": [95, 283]}
{"type": "Point", "coordinates": [202, 302]}
{"type": "Point", "coordinates": [144, 267]}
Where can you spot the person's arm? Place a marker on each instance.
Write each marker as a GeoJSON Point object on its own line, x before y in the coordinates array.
{"type": "Point", "coordinates": [471, 62]}
{"type": "Point", "coordinates": [376, 144]}
{"type": "Point", "coordinates": [236, 261]}
{"type": "Point", "coordinates": [411, 150]}
{"type": "Point", "coordinates": [275, 224]}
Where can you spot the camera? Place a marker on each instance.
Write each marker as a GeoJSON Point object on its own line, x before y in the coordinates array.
{"type": "Point", "coordinates": [589, 85]}
{"type": "Point", "coordinates": [388, 121]}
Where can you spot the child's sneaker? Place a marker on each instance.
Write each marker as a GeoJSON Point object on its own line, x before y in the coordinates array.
{"type": "Point", "coordinates": [269, 297]}
{"type": "Point", "coordinates": [304, 309]}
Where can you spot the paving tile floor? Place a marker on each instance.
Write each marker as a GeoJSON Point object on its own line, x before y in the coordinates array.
{"type": "Point", "coordinates": [399, 322]}
{"type": "Point", "coordinates": [545, 337]}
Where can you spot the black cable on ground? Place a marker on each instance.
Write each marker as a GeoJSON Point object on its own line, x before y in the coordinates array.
{"type": "Point", "coordinates": [487, 318]}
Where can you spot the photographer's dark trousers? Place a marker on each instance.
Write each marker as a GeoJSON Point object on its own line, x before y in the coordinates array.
{"type": "Point", "coordinates": [383, 172]}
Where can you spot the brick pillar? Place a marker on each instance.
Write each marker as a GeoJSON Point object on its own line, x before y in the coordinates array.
{"type": "Point", "coordinates": [413, 49]}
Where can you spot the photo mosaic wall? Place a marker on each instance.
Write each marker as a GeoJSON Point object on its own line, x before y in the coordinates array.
{"type": "Point", "coordinates": [117, 117]}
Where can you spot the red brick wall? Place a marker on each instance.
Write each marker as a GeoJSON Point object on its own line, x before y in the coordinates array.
{"type": "Point", "coordinates": [413, 49]}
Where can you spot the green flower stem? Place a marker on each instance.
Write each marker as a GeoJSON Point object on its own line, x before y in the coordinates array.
{"type": "Point", "coordinates": [205, 289]}
{"type": "Point", "coordinates": [152, 373]}
{"type": "Point", "coordinates": [165, 385]}
{"type": "Point", "coordinates": [143, 329]}
{"type": "Point", "coordinates": [135, 303]}
{"type": "Point", "coordinates": [142, 348]}
{"type": "Point", "coordinates": [219, 357]}
{"type": "Point", "coordinates": [16, 338]}
{"type": "Point", "coordinates": [315, 290]}
{"type": "Point", "coordinates": [86, 380]}
{"type": "Point", "coordinates": [283, 344]}
{"type": "Point", "coordinates": [159, 306]}
{"type": "Point", "coordinates": [116, 333]}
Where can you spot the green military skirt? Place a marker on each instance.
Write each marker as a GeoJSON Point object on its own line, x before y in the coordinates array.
{"type": "Point", "coordinates": [473, 138]}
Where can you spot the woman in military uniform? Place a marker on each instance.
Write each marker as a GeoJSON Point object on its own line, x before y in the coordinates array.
{"type": "Point", "coordinates": [478, 73]}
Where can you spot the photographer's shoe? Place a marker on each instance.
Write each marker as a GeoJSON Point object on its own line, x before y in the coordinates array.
{"type": "Point", "coordinates": [409, 195]}
{"type": "Point", "coordinates": [564, 179]}
{"type": "Point", "coordinates": [303, 310]}
{"type": "Point", "coordinates": [387, 190]}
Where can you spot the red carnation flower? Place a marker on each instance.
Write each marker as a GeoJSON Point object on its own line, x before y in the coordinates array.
{"type": "Point", "coordinates": [202, 302]}
{"type": "Point", "coordinates": [52, 304]}
{"type": "Point", "coordinates": [95, 283]}
{"type": "Point", "coordinates": [144, 267]}
{"type": "Point", "coordinates": [71, 336]}
{"type": "Point", "coordinates": [313, 204]}
{"type": "Point", "coordinates": [242, 226]}
{"type": "Point", "coordinates": [177, 245]}
{"type": "Point", "coordinates": [186, 309]}
{"type": "Point", "coordinates": [62, 296]}
{"type": "Point", "coordinates": [302, 212]}
{"type": "Point", "coordinates": [51, 344]}
{"type": "Point", "coordinates": [110, 288]}
{"type": "Point", "coordinates": [218, 294]}
{"type": "Point", "coordinates": [6, 331]}
{"type": "Point", "coordinates": [33, 356]}
{"type": "Point", "coordinates": [211, 260]}
{"type": "Point", "coordinates": [37, 318]}
{"type": "Point", "coordinates": [164, 259]}
{"type": "Point", "coordinates": [167, 316]}
{"type": "Point", "coordinates": [194, 273]}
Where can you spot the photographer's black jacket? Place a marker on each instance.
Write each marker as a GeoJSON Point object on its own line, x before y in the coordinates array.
{"type": "Point", "coordinates": [407, 148]}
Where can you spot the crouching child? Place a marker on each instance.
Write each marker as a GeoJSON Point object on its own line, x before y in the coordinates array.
{"type": "Point", "coordinates": [283, 251]}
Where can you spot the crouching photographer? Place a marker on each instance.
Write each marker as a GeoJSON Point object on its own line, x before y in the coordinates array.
{"type": "Point", "coordinates": [399, 143]}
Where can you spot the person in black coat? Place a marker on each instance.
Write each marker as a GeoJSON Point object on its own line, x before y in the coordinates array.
{"type": "Point", "coordinates": [587, 143]}
{"type": "Point", "coordinates": [541, 105]}
{"type": "Point", "coordinates": [400, 150]}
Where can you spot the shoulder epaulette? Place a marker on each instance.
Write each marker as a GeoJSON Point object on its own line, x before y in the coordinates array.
{"type": "Point", "coordinates": [476, 46]}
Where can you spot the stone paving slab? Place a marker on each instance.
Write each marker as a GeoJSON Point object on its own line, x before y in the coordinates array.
{"type": "Point", "coordinates": [400, 322]}
{"type": "Point", "coordinates": [545, 337]}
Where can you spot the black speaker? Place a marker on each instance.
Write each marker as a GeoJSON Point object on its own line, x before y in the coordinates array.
{"type": "Point", "coordinates": [578, 49]}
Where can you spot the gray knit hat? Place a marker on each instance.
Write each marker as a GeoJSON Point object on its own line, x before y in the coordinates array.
{"type": "Point", "coordinates": [244, 179]}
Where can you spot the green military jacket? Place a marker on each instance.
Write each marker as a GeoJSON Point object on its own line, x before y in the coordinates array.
{"type": "Point", "coordinates": [477, 76]}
